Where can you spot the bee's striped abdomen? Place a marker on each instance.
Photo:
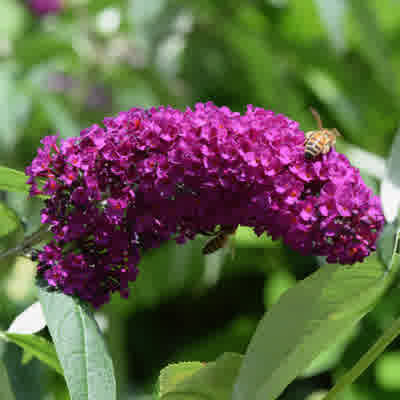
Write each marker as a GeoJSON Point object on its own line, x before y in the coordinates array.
{"type": "Point", "coordinates": [313, 148]}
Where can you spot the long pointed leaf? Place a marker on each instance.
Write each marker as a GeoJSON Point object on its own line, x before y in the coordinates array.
{"type": "Point", "coordinates": [5, 387]}
{"type": "Point", "coordinates": [80, 346]}
{"type": "Point", "coordinates": [390, 188]}
{"type": "Point", "coordinates": [212, 382]}
{"type": "Point", "coordinates": [305, 322]}
{"type": "Point", "coordinates": [36, 346]}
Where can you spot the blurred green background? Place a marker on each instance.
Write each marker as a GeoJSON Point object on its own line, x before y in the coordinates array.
{"type": "Point", "coordinates": [63, 72]}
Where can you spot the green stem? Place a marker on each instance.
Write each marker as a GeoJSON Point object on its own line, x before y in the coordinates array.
{"type": "Point", "coordinates": [27, 244]}
{"type": "Point", "coordinates": [366, 360]}
{"type": "Point", "coordinates": [380, 345]}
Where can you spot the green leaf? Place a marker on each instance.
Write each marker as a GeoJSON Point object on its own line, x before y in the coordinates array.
{"type": "Point", "coordinates": [245, 237]}
{"type": "Point", "coordinates": [12, 180]}
{"type": "Point", "coordinates": [27, 356]}
{"type": "Point", "coordinates": [329, 358]}
{"type": "Point", "coordinates": [29, 321]}
{"type": "Point", "coordinates": [373, 352]}
{"type": "Point", "coordinates": [39, 47]}
{"type": "Point", "coordinates": [328, 90]}
{"type": "Point", "coordinates": [11, 230]}
{"type": "Point", "coordinates": [9, 222]}
{"type": "Point", "coordinates": [373, 46]}
{"type": "Point", "coordinates": [11, 19]}
{"type": "Point", "coordinates": [36, 346]}
{"type": "Point", "coordinates": [59, 116]}
{"type": "Point", "coordinates": [80, 347]}
{"type": "Point", "coordinates": [14, 109]}
{"type": "Point", "coordinates": [390, 188]}
{"type": "Point", "coordinates": [278, 282]}
{"type": "Point", "coordinates": [387, 371]}
{"type": "Point", "coordinates": [212, 382]}
{"type": "Point", "coordinates": [5, 387]}
{"type": "Point", "coordinates": [386, 243]}
{"type": "Point", "coordinates": [333, 16]}
{"type": "Point", "coordinates": [174, 374]}
{"type": "Point", "coordinates": [305, 322]}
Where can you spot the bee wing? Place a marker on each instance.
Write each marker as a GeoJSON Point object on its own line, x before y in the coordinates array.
{"type": "Point", "coordinates": [308, 135]}
{"type": "Point", "coordinates": [336, 132]}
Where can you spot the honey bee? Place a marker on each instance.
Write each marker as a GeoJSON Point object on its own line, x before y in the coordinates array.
{"type": "Point", "coordinates": [219, 240]}
{"type": "Point", "coordinates": [320, 141]}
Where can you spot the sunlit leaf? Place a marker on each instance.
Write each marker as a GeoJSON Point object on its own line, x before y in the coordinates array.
{"type": "Point", "coordinates": [12, 180]}
{"type": "Point", "coordinates": [214, 381]}
{"type": "Point", "coordinates": [174, 374]}
{"type": "Point", "coordinates": [277, 283]}
{"type": "Point", "coordinates": [39, 46]}
{"type": "Point", "coordinates": [30, 321]}
{"type": "Point", "coordinates": [80, 347]}
{"type": "Point", "coordinates": [387, 371]}
{"type": "Point", "coordinates": [371, 163]}
{"type": "Point", "coordinates": [304, 322]}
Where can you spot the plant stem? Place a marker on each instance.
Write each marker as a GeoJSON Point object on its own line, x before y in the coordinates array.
{"type": "Point", "coordinates": [380, 345]}
{"type": "Point", "coordinates": [41, 234]}
{"type": "Point", "coordinates": [366, 360]}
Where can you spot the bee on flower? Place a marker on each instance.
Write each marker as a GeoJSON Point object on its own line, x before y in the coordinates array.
{"type": "Point", "coordinates": [320, 141]}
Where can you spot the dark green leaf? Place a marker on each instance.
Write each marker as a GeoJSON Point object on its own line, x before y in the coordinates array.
{"type": "Point", "coordinates": [36, 346]}
{"type": "Point", "coordinates": [373, 46]}
{"type": "Point", "coordinates": [5, 387]}
{"type": "Point", "coordinates": [80, 347]}
{"type": "Point", "coordinates": [305, 322]}
{"type": "Point", "coordinates": [27, 356]}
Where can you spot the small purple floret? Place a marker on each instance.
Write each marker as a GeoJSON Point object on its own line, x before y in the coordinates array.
{"type": "Point", "coordinates": [152, 175]}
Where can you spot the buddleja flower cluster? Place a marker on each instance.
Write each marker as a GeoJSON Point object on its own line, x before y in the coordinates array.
{"type": "Point", "coordinates": [45, 7]}
{"type": "Point", "coordinates": [152, 175]}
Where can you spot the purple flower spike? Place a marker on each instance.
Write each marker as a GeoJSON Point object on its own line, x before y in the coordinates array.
{"type": "Point", "coordinates": [45, 7]}
{"type": "Point", "coordinates": [151, 175]}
